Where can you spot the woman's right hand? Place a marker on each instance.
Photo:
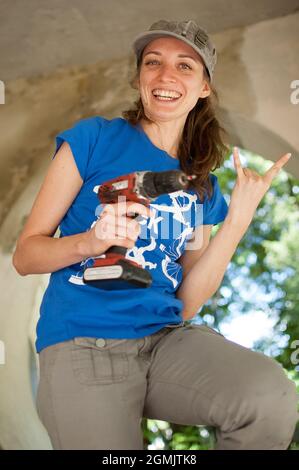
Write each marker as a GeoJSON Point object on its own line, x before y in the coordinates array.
{"type": "Point", "coordinates": [249, 189]}
{"type": "Point", "coordinates": [114, 227]}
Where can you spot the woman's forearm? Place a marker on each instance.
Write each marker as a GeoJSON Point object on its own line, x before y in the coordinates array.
{"type": "Point", "coordinates": [40, 254]}
{"type": "Point", "coordinates": [205, 276]}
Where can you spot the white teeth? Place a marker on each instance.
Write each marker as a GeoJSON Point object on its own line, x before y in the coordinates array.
{"type": "Point", "coordinates": [165, 98]}
{"type": "Point", "coordinates": [166, 93]}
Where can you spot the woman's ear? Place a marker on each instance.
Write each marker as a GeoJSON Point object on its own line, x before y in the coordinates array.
{"type": "Point", "coordinates": [135, 82]}
{"type": "Point", "coordinates": [206, 90]}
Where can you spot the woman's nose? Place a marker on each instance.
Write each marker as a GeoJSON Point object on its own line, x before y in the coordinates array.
{"type": "Point", "coordinates": [167, 72]}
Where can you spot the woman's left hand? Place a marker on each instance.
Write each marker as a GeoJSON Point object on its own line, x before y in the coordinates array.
{"type": "Point", "coordinates": [250, 188]}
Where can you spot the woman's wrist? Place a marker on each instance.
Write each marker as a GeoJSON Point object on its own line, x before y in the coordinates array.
{"type": "Point", "coordinates": [83, 246]}
{"type": "Point", "coordinates": [88, 248]}
{"type": "Point", "coordinates": [237, 221]}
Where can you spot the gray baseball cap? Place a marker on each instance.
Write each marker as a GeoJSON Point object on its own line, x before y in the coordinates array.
{"type": "Point", "coordinates": [187, 31]}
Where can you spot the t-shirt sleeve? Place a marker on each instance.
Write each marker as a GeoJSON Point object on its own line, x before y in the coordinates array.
{"type": "Point", "coordinates": [215, 209]}
{"type": "Point", "coordinates": [82, 138]}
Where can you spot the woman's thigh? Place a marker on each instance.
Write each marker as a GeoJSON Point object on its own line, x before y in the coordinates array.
{"type": "Point", "coordinates": [91, 393]}
{"type": "Point", "coordinates": [197, 376]}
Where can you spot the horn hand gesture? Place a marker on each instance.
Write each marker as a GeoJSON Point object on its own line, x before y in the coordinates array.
{"type": "Point", "coordinates": [250, 188]}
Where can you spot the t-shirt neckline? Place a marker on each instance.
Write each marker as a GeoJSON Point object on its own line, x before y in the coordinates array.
{"type": "Point", "coordinates": [139, 128]}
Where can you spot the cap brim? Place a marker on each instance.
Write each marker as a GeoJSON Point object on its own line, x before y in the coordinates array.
{"type": "Point", "coordinates": [143, 39]}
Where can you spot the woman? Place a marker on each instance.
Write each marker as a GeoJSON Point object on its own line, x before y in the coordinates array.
{"type": "Point", "coordinates": [108, 358]}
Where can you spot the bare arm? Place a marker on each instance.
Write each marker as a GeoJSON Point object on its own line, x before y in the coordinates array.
{"type": "Point", "coordinates": [43, 254]}
{"type": "Point", "coordinates": [36, 250]}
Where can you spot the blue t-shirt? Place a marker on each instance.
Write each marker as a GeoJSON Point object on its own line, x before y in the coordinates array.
{"type": "Point", "coordinates": [104, 149]}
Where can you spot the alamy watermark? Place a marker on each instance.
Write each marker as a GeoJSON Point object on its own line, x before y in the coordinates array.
{"type": "Point", "coordinates": [295, 354]}
{"type": "Point", "coordinates": [2, 353]}
{"type": "Point", "coordinates": [294, 97]}
{"type": "Point", "coordinates": [173, 224]}
{"type": "Point", "coordinates": [2, 92]}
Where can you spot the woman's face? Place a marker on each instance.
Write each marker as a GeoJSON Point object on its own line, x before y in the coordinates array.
{"type": "Point", "coordinates": [162, 69]}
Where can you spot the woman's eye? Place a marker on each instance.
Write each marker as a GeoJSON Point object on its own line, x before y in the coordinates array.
{"type": "Point", "coordinates": [182, 63]}
{"type": "Point", "coordinates": [187, 65]}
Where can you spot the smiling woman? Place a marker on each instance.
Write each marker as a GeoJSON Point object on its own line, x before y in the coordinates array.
{"type": "Point", "coordinates": [108, 358]}
{"type": "Point", "coordinates": [177, 88]}
{"type": "Point", "coordinates": [177, 104]}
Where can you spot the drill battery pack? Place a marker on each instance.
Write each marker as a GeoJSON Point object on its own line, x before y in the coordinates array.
{"type": "Point", "coordinates": [116, 272]}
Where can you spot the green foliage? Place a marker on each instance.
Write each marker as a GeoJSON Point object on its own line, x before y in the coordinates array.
{"type": "Point", "coordinates": [266, 261]}
{"type": "Point", "coordinates": [170, 436]}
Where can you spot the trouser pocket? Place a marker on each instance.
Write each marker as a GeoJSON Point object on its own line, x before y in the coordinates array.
{"type": "Point", "coordinates": [99, 360]}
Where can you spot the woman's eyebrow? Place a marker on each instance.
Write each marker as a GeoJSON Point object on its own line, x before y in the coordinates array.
{"type": "Point", "coordinates": [179, 55]}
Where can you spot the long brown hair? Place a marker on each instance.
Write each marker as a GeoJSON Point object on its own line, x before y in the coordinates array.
{"type": "Point", "coordinates": [201, 138]}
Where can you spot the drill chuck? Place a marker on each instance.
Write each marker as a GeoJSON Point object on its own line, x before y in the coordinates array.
{"type": "Point", "coordinates": [156, 183]}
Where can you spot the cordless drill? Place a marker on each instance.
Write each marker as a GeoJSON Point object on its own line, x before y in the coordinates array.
{"type": "Point", "coordinates": [115, 271]}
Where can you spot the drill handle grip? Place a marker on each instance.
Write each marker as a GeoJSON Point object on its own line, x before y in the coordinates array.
{"type": "Point", "coordinates": [120, 250]}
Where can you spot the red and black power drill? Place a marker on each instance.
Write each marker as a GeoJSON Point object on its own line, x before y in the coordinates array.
{"type": "Point", "coordinates": [115, 271]}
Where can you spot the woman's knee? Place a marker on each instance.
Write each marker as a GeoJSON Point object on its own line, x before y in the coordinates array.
{"type": "Point", "coordinates": [267, 402]}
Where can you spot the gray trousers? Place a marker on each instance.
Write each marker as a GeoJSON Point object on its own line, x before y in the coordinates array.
{"type": "Point", "coordinates": [93, 392]}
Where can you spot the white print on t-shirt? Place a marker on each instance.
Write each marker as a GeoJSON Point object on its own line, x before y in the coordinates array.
{"type": "Point", "coordinates": [155, 248]}
{"type": "Point", "coordinates": [174, 250]}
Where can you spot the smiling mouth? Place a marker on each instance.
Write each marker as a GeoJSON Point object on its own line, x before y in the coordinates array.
{"type": "Point", "coordinates": [165, 98]}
